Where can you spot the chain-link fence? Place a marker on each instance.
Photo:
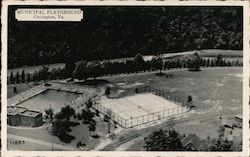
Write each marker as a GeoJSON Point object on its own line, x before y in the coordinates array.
{"type": "Point", "coordinates": [143, 119]}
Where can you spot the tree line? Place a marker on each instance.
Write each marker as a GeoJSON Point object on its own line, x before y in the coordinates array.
{"type": "Point", "coordinates": [83, 70]}
{"type": "Point", "coordinates": [119, 32]}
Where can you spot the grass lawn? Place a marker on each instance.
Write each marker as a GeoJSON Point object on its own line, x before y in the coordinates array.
{"type": "Point", "coordinates": [80, 132]}
{"type": "Point", "coordinates": [224, 53]}
{"type": "Point", "coordinates": [40, 133]}
{"type": "Point", "coordinates": [28, 146]}
{"type": "Point", "coordinates": [212, 89]}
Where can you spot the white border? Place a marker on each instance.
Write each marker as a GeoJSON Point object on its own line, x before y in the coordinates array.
{"type": "Point", "coordinates": [246, 49]}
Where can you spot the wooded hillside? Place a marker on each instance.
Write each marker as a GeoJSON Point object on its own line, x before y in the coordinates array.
{"type": "Point", "coordinates": [114, 32]}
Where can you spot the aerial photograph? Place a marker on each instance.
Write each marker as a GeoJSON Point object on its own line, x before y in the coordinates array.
{"type": "Point", "coordinates": [127, 78]}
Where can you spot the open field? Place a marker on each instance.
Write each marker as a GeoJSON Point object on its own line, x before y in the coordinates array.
{"type": "Point", "coordinates": [224, 53]}
{"type": "Point", "coordinates": [212, 89]}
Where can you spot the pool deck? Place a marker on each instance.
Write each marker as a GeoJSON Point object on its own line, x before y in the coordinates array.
{"type": "Point", "coordinates": [86, 92]}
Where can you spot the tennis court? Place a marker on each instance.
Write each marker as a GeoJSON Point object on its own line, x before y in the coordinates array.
{"type": "Point", "coordinates": [139, 109]}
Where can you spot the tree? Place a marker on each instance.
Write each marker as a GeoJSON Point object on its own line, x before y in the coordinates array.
{"type": "Point", "coordinates": [69, 68]}
{"type": "Point", "coordinates": [107, 90]}
{"type": "Point", "coordinates": [92, 126]}
{"type": "Point", "coordinates": [97, 112]}
{"type": "Point", "coordinates": [194, 61]}
{"type": "Point", "coordinates": [12, 79]}
{"type": "Point", "coordinates": [204, 62]}
{"type": "Point", "coordinates": [222, 41]}
{"type": "Point", "coordinates": [49, 113]}
{"type": "Point", "coordinates": [78, 144]}
{"type": "Point", "coordinates": [81, 71]}
{"type": "Point", "coordinates": [136, 90]}
{"type": "Point", "coordinates": [60, 128]}
{"type": "Point", "coordinates": [163, 141]}
{"type": "Point", "coordinates": [14, 90]}
{"type": "Point", "coordinates": [138, 62]}
{"type": "Point", "coordinates": [237, 63]}
{"type": "Point", "coordinates": [189, 101]}
{"type": "Point", "coordinates": [157, 63]}
{"type": "Point", "coordinates": [87, 116]}
{"type": "Point", "coordinates": [17, 77]}
{"type": "Point", "coordinates": [213, 63]}
{"type": "Point", "coordinates": [28, 77]}
{"type": "Point", "coordinates": [67, 112]}
{"type": "Point", "coordinates": [222, 145]}
{"type": "Point", "coordinates": [44, 73]}
{"type": "Point", "coordinates": [187, 29]}
{"type": "Point", "coordinates": [23, 76]}
{"type": "Point", "coordinates": [208, 62]}
{"type": "Point", "coordinates": [36, 76]}
{"type": "Point", "coordinates": [219, 60]}
{"type": "Point", "coordinates": [94, 69]}
{"type": "Point", "coordinates": [89, 104]}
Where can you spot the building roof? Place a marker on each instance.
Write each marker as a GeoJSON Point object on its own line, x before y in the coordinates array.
{"type": "Point", "coordinates": [194, 140]}
{"type": "Point", "coordinates": [30, 113]}
{"type": "Point", "coordinates": [14, 110]}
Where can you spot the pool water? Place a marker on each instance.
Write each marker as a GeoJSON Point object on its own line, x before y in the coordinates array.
{"type": "Point", "coordinates": [55, 99]}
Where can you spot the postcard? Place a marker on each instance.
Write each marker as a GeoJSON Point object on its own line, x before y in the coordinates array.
{"type": "Point", "coordinates": [122, 78]}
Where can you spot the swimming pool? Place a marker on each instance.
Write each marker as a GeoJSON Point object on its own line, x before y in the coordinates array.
{"type": "Point", "coordinates": [55, 99]}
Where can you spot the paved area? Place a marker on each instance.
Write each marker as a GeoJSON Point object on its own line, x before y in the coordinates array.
{"type": "Point", "coordinates": [138, 105]}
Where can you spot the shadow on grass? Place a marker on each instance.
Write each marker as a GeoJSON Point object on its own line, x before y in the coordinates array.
{"type": "Point", "coordinates": [95, 136]}
{"type": "Point", "coordinates": [160, 74]}
{"type": "Point", "coordinates": [94, 82]}
{"type": "Point", "coordinates": [192, 70]}
{"type": "Point", "coordinates": [61, 128]}
{"type": "Point", "coordinates": [66, 138]}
